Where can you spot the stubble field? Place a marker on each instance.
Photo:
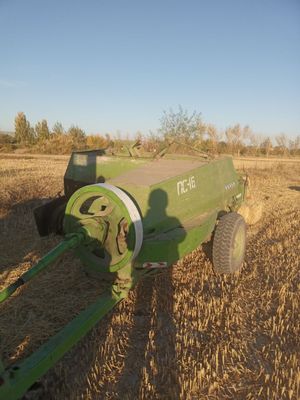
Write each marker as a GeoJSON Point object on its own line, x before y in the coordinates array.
{"type": "Point", "coordinates": [187, 334]}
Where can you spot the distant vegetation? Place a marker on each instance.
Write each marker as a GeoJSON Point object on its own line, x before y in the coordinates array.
{"type": "Point", "coordinates": [177, 128]}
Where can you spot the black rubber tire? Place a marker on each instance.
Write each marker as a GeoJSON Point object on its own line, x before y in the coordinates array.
{"type": "Point", "coordinates": [56, 220]}
{"type": "Point", "coordinates": [229, 243]}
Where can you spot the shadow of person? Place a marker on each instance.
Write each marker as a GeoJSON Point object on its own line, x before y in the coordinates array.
{"type": "Point", "coordinates": [151, 365]}
{"type": "Point", "coordinates": [17, 227]}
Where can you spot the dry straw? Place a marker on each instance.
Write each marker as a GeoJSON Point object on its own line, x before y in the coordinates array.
{"type": "Point", "coordinates": [187, 334]}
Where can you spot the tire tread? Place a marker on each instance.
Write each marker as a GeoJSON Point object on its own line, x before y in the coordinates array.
{"type": "Point", "coordinates": [224, 235]}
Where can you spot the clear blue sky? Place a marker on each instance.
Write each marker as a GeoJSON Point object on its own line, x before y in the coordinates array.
{"type": "Point", "coordinates": [109, 65]}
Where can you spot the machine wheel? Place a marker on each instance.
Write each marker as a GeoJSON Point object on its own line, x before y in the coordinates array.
{"type": "Point", "coordinates": [56, 220]}
{"type": "Point", "coordinates": [106, 204]}
{"type": "Point", "coordinates": [229, 243]}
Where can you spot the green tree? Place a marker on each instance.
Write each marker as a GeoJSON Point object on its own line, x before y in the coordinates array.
{"type": "Point", "coordinates": [24, 134]}
{"type": "Point", "coordinates": [58, 129]}
{"type": "Point", "coordinates": [78, 137]}
{"type": "Point", "coordinates": [76, 133]}
{"type": "Point", "coordinates": [42, 130]}
{"type": "Point", "coordinates": [182, 126]}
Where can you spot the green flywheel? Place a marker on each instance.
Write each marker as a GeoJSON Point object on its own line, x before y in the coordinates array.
{"type": "Point", "coordinates": [103, 205]}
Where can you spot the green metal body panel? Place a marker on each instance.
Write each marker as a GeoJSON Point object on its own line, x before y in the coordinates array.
{"type": "Point", "coordinates": [178, 200]}
{"type": "Point", "coordinates": [171, 246]}
{"type": "Point", "coordinates": [168, 202]}
{"type": "Point", "coordinates": [168, 193]}
{"type": "Point", "coordinates": [215, 183]}
{"type": "Point", "coordinates": [87, 167]}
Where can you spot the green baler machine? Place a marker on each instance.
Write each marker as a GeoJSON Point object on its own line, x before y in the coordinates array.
{"type": "Point", "coordinates": [126, 219]}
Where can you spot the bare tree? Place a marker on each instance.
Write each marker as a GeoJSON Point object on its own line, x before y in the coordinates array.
{"type": "Point", "coordinates": [282, 143]}
{"type": "Point", "coordinates": [266, 145]}
{"type": "Point", "coordinates": [297, 143]}
{"type": "Point", "coordinates": [294, 145]}
{"type": "Point", "coordinates": [235, 136]}
{"type": "Point", "coordinates": [256, 141]}
{"type": "Point", "coordinates": [214, 136]}
{"type": "Point", "coordinates": [230, 138]}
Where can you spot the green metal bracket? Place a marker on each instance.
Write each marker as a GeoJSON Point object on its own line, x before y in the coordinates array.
{"type": "Point", "coordinates": [65, 245]}
{"type": "Point", "coordinates": [84, 235]}
{"type": "Point", "coordinates": [17, 379]}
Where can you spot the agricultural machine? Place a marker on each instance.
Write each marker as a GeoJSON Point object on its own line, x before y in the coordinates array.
{"type": "Point", "coordinates": [128, 218]}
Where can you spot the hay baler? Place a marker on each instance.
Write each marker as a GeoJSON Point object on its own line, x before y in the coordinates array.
{"type": "Point", "coordinates": [127, 218]}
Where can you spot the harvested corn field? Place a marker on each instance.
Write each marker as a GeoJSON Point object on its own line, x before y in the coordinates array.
{"type": "Point", "coordinates": [186, 334]}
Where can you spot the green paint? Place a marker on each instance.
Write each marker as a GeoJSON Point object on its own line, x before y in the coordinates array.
{"type": "Point", "coordinates": [175, 244]}
{"type": "Point", "coordinates": [104, 257]}
{"type": "Point", "coordinates": [89, 167]}
{"type": "Point", "coordinates": [216, 185]}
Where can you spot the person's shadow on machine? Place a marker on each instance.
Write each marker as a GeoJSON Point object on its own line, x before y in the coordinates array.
{"type": "Point", "coordinates": [152, 340]}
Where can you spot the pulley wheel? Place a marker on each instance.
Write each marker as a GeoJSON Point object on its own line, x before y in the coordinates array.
{"type": "Point", "coordinates": [103, 203]}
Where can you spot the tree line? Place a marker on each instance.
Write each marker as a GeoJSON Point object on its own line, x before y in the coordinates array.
{"type": "Point", "coordinates": [40, 138]}
{"type": "Point", "coordinates": [236, 140]}
{"type": "Point", "coordinates": [27, 135]}
{"type": "Point", "coordinates": [177, 127]}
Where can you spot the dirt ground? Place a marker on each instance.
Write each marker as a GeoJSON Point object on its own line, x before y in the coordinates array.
{"type": "Point", "coordinates": [187, 334]}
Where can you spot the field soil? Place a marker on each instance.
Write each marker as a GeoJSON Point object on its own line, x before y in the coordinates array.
{"type": "Point", "coordinates": [186, 334]}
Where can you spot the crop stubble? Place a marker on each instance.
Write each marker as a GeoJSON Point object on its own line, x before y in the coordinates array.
{"type": "Point", "coordinates": [189, 333]}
